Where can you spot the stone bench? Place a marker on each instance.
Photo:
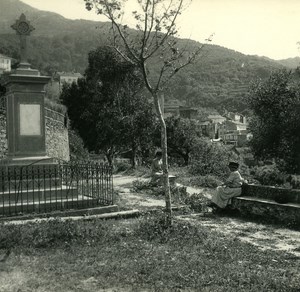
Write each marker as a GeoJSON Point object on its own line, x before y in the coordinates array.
{"type": "Point", "coordinates": [277, 204]}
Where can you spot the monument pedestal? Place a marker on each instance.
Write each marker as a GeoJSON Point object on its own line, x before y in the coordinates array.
{"type": "Point", "coordinates": [25, 115]}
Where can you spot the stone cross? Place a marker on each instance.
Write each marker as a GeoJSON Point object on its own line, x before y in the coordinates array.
{"type": "Point", "coordinates": [23, 29]}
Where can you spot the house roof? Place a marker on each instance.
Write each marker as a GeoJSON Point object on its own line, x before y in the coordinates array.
{"type": "Point", "coordinates": [187, 108]}
{"type": "Point", "coordinates": [69, 74]}
{"type": "Point", "coordinates": [205, 123]}
{"type": "Point", "coordinates": [3, 56]}
{"type": "Point", "coordinates": [236, 123]}
{"type": "Point", "coordinates": [216, 117]}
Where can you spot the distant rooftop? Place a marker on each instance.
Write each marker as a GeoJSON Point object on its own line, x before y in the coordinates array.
{"type": "Point", "coordinates": [3, 56]}
{"type": "Point", "coordinates": [69, 74]}
{"type": "Point", "coordinates": [215, 117]}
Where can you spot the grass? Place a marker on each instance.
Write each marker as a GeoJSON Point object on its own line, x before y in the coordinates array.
{"type": "Point", "coordinates": [138, 255]}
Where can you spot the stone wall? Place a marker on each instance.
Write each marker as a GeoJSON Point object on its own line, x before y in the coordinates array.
{"type": "Point", "coordinates": [57, 140]}
{"type": "Point", "coordinates": [3, 140]}
{"type": "Point", "coordinates": [274, 204]}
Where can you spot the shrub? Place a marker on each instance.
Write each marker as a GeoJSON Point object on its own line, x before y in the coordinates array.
{"type": "Point", "coordinates": [295, 181]}
{"type": "Point", "coordinates": [269, 175]}
{"type": "Point", "coordinates": [179, 194]}
{"type": "Point", "coordinates": [208, 181]}
{"type": "Point", "coordinates": [120, 166]}
{"type": "Point", "coordinates": [55, 106]}
{"type": "Point", "coordinates": [198, 202]}
{"type": "Point", "coordinates": [77, 149]}
{"type": "Point", "coordinates": [210, 158]}
{"type": "Point", "coordinates": [138, 185]}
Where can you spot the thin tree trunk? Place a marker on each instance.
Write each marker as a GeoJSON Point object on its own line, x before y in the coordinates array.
{"type": "Point", "coordinates": [163, 131]}
{"type": "Point", "coordinates": [186, 159]}
{"type": "Point", "coordinates": [133, 157]}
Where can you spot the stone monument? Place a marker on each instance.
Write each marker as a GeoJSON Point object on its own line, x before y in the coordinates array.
{"type": "Point", "coordinates": [25, 92]}
{"type": "Point", "coordinates": [29, 179]}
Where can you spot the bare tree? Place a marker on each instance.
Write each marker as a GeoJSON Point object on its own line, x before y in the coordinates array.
{"type": "Point", "coordinates": [154, 38]}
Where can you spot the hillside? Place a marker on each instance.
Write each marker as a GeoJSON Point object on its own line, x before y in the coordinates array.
{"type": "Point", "coordinates": [218, 79]}
{"type": "Point", "coordinates": [292, 63]}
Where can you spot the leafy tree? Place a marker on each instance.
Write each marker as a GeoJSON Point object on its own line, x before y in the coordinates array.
{"type": "Point", "coordinates": [154, 40]}
{"type": "Point", "coordinates": [105, 106]}
{"type": "Point", "coordinates": [182, 135]}
{"type": "Point", "coordinates": [275, 124]}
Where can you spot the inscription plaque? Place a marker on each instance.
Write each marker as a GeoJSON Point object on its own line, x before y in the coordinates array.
{"type": "Point", "coordinates": [30, 119]}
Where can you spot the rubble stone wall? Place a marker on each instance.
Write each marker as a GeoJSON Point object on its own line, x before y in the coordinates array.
{"type": "Point", "coordinates": [57, 139]}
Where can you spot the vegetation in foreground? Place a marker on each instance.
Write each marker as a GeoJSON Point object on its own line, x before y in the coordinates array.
{"type": "Point", "coordinates": [138, 254]}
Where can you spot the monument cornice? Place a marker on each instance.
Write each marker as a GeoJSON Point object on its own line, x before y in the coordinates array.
{"type": "Point", "coordinates": [17, 78]}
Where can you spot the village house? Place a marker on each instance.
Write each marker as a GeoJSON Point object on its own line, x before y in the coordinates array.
{"type": "Point", "coordinates": [234, 130]}
{"type": "Point", "coordinates": [216, 119]}
{"type": "Point", "coordinates": [67, 77]}
{"type": "Point", "coordinates": [231, 129]}
{"type": "Point", "coordinates": [55, 85]}
{"type": "Point", "coordinates": [187, 112]}
{"type": "Point", "coordinates": [5, 64]}
{"type": "Point", "coordinates": [62, 78]}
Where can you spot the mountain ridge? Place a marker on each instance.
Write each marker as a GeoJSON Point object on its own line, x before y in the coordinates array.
{"type": "Point", "coordinates": [220, 79]}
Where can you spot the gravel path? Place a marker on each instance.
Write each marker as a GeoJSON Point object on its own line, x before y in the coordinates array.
{"type": "Point", "coordinates": [264, 236]}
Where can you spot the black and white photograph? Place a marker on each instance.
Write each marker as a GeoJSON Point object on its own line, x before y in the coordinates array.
{"type": "Point", "coordinates": [149, 145]}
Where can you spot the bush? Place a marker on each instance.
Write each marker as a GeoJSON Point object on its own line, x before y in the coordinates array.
{"type": "Point", "coordinates": [55, 106]}
{"type": "Point", "coordinates": [295, 181]}
{"type": "Point", "coordinates": [120, 166]}
{"type": "Point", "coordinates": [198, 202]}
{"type": "Point", "coordinates": [210, 159]}
{"type": "Point", "coordinates": [269, 175]}
{"type": "Point", "coordinates": [138, 185]}
{"type": "Point", "coordinates": [77, 149]}
{"type": "Point", "coordinates": [207, 181]}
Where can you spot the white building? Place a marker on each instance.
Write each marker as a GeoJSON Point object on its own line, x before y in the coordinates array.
{"type": "Point", "coordinates": [5, 64]}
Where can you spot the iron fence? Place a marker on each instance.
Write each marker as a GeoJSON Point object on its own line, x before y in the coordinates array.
{"type": "Point", "coordinates": [54, 186]}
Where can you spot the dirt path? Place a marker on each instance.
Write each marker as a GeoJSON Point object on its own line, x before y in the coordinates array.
{"type": "Point", "coordinates": [132, 200]}
{"type": "Point", "coordinates": [261, 235]}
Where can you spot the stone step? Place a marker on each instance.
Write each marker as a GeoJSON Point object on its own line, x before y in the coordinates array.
{"type": "Point", "coordinates": [34, 195]}
{"type": "Point", "coordinates": [46, 206]}
{"type": "Point", "coordinates": [34, 169]}
{"type": "Point", "coordinates": [27, 184]}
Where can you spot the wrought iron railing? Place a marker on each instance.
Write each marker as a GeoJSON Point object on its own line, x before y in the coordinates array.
{"type": "Point", "coordinates": [42, 188]}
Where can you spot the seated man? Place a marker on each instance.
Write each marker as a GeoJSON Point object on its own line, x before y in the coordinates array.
{"type": "Point", "coordinates": [156, 168]}
{"type": "Point", "coordinates": [232, 187]}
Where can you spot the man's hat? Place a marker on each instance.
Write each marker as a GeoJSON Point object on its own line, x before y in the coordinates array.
{"type": "Point", "coordinates": [233, 164]}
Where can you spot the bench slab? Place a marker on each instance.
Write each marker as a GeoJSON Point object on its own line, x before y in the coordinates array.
{"type": "Point", "coordinates": [269, 209]}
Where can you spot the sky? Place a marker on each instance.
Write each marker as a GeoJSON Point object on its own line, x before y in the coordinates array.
{"type": "Point", "coordinates": [254, 27]}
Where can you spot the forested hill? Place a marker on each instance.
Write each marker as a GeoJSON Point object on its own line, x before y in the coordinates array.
{"type": "Point", "coordinates": [218, 79]}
